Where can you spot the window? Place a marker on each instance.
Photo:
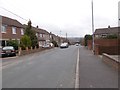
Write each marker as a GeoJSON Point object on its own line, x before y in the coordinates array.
{"type": "Point", "coordinates": [36, 34]}
{"type": "Point", "coordinates": [104, 35]}
{"type": "Point", "coordinates": [41, 35]}
{"type": "Point", "coordinates": [22, 32]}
{"type": "Point", "coordinates": [3, 30]}
{"type": "Point", "coordinates": [13, 30]}
{"type": "Point", "coordinates": [50, 36]}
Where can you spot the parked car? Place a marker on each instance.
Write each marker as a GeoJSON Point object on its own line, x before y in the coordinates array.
{"type": "Point", "coordinates": [8, 51]}
{"type": "Point", "coordinates": [64, 45]}
{"type": "Point", "coordinates": [46, 46]}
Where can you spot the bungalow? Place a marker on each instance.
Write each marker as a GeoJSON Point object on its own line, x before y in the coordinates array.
{"type": "Point", "coordinates": [11, 29]}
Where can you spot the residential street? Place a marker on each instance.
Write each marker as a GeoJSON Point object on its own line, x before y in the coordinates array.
{"type": "Point", "coordinates": [47, 69]}
{"type": "Point", "coordinates": [55, 68]}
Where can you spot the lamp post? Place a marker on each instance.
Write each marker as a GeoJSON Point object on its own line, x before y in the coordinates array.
{"type": "Point", "coordinates": [66, 37]}
{"type": "Point", "coordinates": [60, 36]}
{"type": "Point", "coordinates": [93, 28]}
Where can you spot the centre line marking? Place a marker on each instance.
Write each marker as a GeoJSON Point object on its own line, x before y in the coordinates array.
{"type": "Point", "coordinates": [77, 71]}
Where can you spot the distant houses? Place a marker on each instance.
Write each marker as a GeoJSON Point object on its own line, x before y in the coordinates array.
{"type": "Point", "coordinates": [12, 29]}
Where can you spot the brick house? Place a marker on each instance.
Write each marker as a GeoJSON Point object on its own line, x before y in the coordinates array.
{"type": "Point", "coordinates": [11, 29]}
{"type": "Point", "coordinates": [42, 35]}
{"type": "Point", "coordinates": [104, 32]}
{"type": "Point", "coordinates": [104, 45]}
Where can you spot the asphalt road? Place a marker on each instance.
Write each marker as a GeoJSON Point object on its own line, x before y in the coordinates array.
{"type": "Point", "coordinates": [56, 68]}
{"type": "Point", "coordinates": [48, 69]}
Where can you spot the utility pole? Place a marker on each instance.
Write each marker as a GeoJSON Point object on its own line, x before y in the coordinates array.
{"type": "Point", "coordinates": [66, 37]}
{"type": "Point", "coordinates": [93, 44]}
{"type": "Point", "coordinates": [60, 36]}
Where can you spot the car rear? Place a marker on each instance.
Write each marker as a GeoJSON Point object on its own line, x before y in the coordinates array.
{"type": "Point", "coordinates": [8, 51]}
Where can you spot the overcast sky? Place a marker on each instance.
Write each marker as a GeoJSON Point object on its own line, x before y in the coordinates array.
{"type": "Point", "coordinates": [68, 16]}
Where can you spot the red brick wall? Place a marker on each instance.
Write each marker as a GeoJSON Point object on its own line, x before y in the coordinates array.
{"type": "Point", "coordinates": [89, 44]}
{"type": "Point", "coordinates": [107, 42]}
{"type": "Point", "coordinates": [104, 42]}
{"type": "Point", "coordinates": [111, 50]}
{"type": "Point", "coordinates": [109, 46]}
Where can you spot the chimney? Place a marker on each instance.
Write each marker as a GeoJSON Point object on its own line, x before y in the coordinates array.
{"type": "Point", "coordinates": [109, 26]}
{"type": "Point", "coordinates": [37, 26]}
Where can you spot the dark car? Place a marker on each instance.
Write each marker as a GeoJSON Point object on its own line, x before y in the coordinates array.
{"type": "Point", "coordinates": [8, 51]}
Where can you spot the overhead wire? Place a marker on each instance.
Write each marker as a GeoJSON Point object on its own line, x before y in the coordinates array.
{"type": "Point", "coordinates": [13, 13]}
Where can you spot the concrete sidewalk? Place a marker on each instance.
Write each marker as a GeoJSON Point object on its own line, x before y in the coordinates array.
{"type": "Point", "coordinates": [94, 73]}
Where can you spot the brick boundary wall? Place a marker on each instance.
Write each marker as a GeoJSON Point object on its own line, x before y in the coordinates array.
{"type": "Point", "coordinates": [29, 51]}
{"type": "Point", "coordinates": [109, 46]}
{"type": "Point", "coordinates": [110, 61]}
{"type": "Point", "coordinates": [111, 50]}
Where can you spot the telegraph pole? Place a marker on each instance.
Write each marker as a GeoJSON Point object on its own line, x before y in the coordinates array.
{"type": "Point", "coordinates": [93, 45]}
{"type": "Point", "coordinates": [60, 36]}
{"type": "Point", "coordinates": [66, 36]}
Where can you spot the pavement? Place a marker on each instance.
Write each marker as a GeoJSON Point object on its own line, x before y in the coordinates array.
{"type": "Point", "coordinates": [115, 57]}
{"type": "Point", "coordinates": [94, 73]}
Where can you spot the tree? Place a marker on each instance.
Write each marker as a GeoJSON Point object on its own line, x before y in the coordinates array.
{"type": "Point", "coordinates": [86, 38]}
{"type": "Point", "coordinates": [25, 41]}
{"type": "Point", "coordinates": [54, 43]}
{"type": "Point", "coordinates": [13, 43]}
{"type": "Point", "coordinates": [32, 34]}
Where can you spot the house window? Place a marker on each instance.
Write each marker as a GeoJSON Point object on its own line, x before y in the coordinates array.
{"type": "Point", "coordinates": [13, 30]}
{"type": "Point", "coordinates": [36, 34]}
{"type": "Point", "coordinates": [4, 28]}
{"type": "Point", "coordinates": [104, 35]}
{"type": "Point", "coordinates": [41, 35]}
{"type": "Point", "coordinates": [50, 36]}
{"type": "Point", "coordinates": [96, 36]}
{"type": "Point", "coordinates": [22, 32]}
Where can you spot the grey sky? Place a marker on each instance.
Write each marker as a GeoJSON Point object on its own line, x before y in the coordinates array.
{"type": "Point", "coordinates": [68, 16]}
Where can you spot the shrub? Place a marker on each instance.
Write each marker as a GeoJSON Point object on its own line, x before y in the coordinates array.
{"type": "Point", "coordinates": [55, 43]}
{"type": "Point", "coordinates": [13, 43]}
{"type": "Point", "coordinates": [25, 42]}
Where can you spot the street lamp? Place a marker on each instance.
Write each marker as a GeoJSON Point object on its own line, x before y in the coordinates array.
{"type": "Point", "coordinates": [93, 27]}
{"type": "Point", "coordinates": [60, 36]}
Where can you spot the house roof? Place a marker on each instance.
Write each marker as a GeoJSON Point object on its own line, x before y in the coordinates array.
{"type": "Point", "coordinates": [11, 22]}
{"type": "Point", "coordinates": [111, 30]}
{"type": "Point", "coordinates": [39, 30]}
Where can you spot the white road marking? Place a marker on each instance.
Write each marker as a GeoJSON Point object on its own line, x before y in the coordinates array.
{"type": "Point", "coordinates": [77, 71]}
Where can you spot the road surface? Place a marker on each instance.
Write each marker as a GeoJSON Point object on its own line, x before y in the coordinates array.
{"type": "Point", "coordinates": [56, 68]}
{"type": "Point", "coordinates": [49, 69]}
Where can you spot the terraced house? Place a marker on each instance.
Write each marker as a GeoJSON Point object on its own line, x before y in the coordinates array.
{"type": "Point", "coordinates": [11, 29]}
